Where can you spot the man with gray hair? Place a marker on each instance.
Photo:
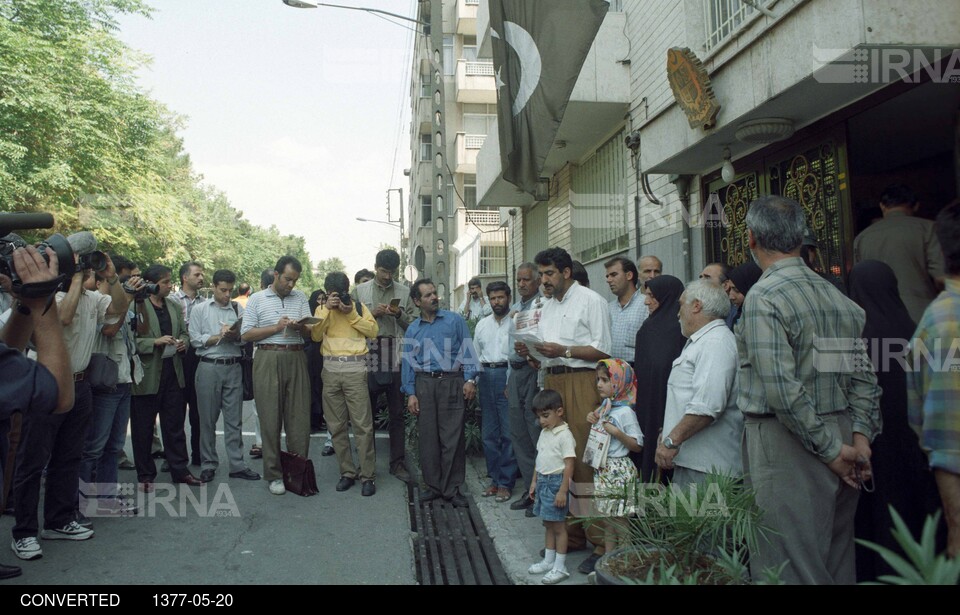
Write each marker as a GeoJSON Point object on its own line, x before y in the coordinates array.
{"type": "Point", "coordinates": [701, 413]}
{"type": "Point", "coordinates": [808, 421]}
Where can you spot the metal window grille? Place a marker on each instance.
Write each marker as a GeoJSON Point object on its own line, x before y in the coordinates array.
{"type": "Point", "coordinates": [723, 18]}
{"type": "Point", "coordinates": [471, 2]}
{"type": "Point", "coordinates": [474, 141]}
{"type": "Point", "coordinates": [493, 259]}
{"type": "Point", "coordinates": [600, 208]}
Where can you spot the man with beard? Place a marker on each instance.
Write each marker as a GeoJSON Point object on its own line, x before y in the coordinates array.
{"type": "Point", "coordinates": [439, 370]}
{"type": "Point", "coordinates": [191, 281]}
{"type": "Point", "coordinates": [491, 339]}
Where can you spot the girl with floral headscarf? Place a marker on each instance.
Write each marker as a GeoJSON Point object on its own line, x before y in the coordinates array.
{"type": "Point", "coordinates": [615, 481]}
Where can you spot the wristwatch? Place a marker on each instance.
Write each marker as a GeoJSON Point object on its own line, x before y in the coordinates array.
{"type": "Point", "coordinates": [668, 442]}
{"type": "Point", "coordinates": [471, 381]}
{"type": "Point", "coordinates": [567, 353]}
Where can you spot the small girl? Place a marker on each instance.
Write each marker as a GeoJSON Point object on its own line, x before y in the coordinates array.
{"type": "Point", "coordinates": [555, 458]}
{"type": "Point", "coordinates": [615, 482]}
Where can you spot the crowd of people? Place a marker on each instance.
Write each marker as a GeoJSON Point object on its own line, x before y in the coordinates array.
{"type": "Point", "coordinates": [668, 382]}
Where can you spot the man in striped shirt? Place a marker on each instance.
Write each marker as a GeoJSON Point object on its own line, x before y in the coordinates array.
{"type": "Point", "coordinates": [934, 382]}
{"type": "Point", "coordinates": [809, 419]}
{"type": "Point", "coordinates": [281, 383]}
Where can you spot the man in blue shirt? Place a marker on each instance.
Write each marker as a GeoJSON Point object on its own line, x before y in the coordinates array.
{"type": "Point", "coordinates": [438, 364]}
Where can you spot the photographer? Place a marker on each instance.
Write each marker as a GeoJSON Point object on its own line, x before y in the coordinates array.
{"type": "Point", "coordinates": [161, 341]}
{"type": "Point", "coordinates": [111, 409]}
{"type": "Point", "coordinates": [31, 387]}
{"type": "Point", "coordinates": [56, 441]}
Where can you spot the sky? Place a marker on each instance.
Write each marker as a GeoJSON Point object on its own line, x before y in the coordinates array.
{"type": "Point", "coordinates": [293, 113]}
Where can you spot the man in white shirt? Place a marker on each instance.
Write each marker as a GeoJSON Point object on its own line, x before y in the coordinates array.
{"type": "Point", "coordinates": [575, 327]}
{"type": "Point", "coordinates": [475, 306]}
{"type": "Point", "coordinates": [701, 413]}
{"type": "Point", "coordinates": [492, 342]}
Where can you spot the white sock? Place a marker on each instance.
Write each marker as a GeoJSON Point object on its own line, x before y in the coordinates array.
{"type": "Point", "coordinates": [561, 562]}
{"type": "Point", "coordinates": [550, 556]}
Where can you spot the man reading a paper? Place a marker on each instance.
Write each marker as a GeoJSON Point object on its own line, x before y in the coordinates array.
{"type": "Point", "coordinates": [215, 334]}
{"type": "Point", "coordinates": [575, 327]}
{"type": "Point", "coordinates": [281, 383]}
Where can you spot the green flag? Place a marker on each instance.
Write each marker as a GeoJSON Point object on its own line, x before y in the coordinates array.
{"type": "Point", "coordinates": [539, 47]}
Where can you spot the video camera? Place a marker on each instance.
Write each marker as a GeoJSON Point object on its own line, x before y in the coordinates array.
{"type": "Point", "coordinates": [9, 242]}
{"type": "Point", "coordinates": [149, 288]}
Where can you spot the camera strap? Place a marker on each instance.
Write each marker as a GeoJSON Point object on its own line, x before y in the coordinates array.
{"type": "Point", "coordinates": [36, 290]}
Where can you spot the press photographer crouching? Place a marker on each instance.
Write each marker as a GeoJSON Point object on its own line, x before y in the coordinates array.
{"type": "Point", "coordinates": [33, 388]}
{"type": "Point", "coordinates": [161, 341]}
{"type": "Point", "coordinates": [111, 408]}
{"type": "Point", "coordinates": [56, 441]}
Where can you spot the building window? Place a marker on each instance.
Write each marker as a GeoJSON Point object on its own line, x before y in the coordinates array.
{"type": "Point", "coordinates": [722, 18]}
{"type": "Point", "coordinates": [470, 48]}
{"type": "Point", "coordinates": [479, 125]}
{"type": "Point", "coordinates": [426, 148]}
{"type": "Point", "coordinates": [426, 88]}
{"type": "Point", "coordinates": [426, 210]}
{"type": "Point", "coordinates": [449, 62]}
{"type": "Point", "coordinates": [616, 6]}
{"type": "Point", "coordinates": [493, 259]}
{"type": "Point", "coordinates": [470, 191]}
{"type": "Point", "coordinates": [600, 211]}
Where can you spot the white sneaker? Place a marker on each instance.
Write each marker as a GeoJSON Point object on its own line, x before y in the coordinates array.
{"type": "Point", "coordinates": [26, 548]}
{"type": "Point", "coordinates": [277, 488]}
{"type": "Point", "coordinates": [540, 567]}
{"type": "Point", "coordinates": [555, 576]}
{"type": "Point", "coordinates": [71, 531]}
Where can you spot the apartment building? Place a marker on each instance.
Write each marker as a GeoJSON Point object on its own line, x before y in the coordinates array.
{"type": "Point", "coordinates": [827, 102]}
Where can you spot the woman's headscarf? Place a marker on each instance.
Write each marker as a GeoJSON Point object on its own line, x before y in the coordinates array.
{"type": "Point", "coordinates": [873, 286]}
{"type": "Point", "coordinates": [623, 380]}
{"type": "Point", "coordinates": [745, 276]}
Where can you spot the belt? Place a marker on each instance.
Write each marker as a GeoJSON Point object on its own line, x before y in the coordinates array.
{"type": "Point", "coordinates": [518, 364]}
{"type": "Point", "coordinates": [754, 415]}
{"type": "Point", "coordinates": [440, 374]}
{"type": "Point", "coordinates": [355, 358]}
{"type": "Point", "coordinates": [280, 346]}
{"type": "Point", "coordinates": [497, 365]}
{"type": "Point", "coordinates": [78, 376]}
{"type": "Point", "coordinates": [221, 361]}
{"type": "Point", "coordinates": [563, 369]}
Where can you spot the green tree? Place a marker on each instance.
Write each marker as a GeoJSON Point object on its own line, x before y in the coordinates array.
{"type": "Point", "coordinates": [329, 265]}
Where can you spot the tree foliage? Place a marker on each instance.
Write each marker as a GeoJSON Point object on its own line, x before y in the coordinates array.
{"type": "Point", "coordinates": [79, 139]}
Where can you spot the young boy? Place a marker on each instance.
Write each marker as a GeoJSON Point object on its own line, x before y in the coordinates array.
{"type": "Point", "coordinates": [554, 470]}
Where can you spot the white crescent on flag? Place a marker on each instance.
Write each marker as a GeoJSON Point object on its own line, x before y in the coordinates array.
{"type": "Point", "coordinates": [530, 62]}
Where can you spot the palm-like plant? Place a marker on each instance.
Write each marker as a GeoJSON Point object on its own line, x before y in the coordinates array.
{"type": "Point", "coordinates": [922, 565]}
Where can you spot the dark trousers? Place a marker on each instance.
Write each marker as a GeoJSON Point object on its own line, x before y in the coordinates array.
{"type": "Point", "coordinates": [524, 424]}
{"type": "Point", "coordinates": [315, 368]}
{"type": "Point", "coordinates": [443, 412]}
{"type": "Point", "coordinates": [398, 435]}
{"type": "Point", "coordinates": [190, 363]}
{"type": "Point", "coordinates": [495, 428]}
{"type": "Point", "coordinates": [168, 403]}
{"type": "Point", "coordinates": [55, 441]}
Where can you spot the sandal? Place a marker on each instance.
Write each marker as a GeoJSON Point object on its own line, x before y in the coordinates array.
{"type": "Point", "coordinates": [490, 491]}
{"type": "Point", "coordinates": [503, 494]}
{"type": "Point", "coordinates": [256, 452]}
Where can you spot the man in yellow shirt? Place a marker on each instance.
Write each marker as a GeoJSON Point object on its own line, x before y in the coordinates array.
{"type": "Point", "coordinates": [343, 329]}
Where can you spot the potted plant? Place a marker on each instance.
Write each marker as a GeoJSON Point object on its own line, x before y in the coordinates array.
{"type": "Point", "coordinates": [695, 536]}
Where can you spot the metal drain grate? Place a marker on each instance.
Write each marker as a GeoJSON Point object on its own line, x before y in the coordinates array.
{"type": "Point", "coordinates": [451, 545]}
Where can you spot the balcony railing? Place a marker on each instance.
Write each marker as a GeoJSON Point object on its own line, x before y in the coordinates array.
{"type": "Point", "coordinates": [484, 218]}
{"type": "Point", "coordinates": [479, 69]}
{"type": "Point", "coordinates": [474, 141]}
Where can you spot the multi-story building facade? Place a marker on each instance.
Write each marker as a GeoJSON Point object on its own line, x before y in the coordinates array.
{"type": "Point", "coordinates": [476, 240]}
{"type": "Point", "coordinates": [826, 102]}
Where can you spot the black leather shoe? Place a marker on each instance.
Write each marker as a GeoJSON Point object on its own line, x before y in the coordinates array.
{"type": "Point", "coordinates": [8, 572]}
{"type": "Point", "coordinates": [588, 565]}
{"type": "Point", "coordinates": [459, 501]}
{"type": "Point", "coordinates": [207, 475]}
{"type": "Point", "coordinates": [429, 495]}
{"type": "Point", "coordinates": [157, 455]}
{"type": "Point", "coordinates": [327, 451]}
{"type": "Point", "coordinates": [245, 474]}
{"type": "Point", "coordinates": [345, 483]}
{"type": "Point", "coordinates": [188, 479]}
{"type": "Point", "coordinates": [521, 503]}
{"type": "Point", "coordinates": [368, 488]}
{"type": "Point", "coordinates": [529, 512]}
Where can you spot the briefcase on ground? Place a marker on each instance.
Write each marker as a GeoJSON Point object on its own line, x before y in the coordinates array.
{"type": "Point", "coordinates": [298, 474]}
